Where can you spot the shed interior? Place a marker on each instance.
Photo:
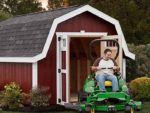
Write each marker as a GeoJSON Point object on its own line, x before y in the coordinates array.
{"type": "Point", "coordinates": [80, 63]}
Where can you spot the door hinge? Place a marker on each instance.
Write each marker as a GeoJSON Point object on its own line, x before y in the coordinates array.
{"type": "Point", "coordinates": [59, 100]}
{"type": "Point", "coordinates": [59, 70]}
{"type": "Point", "coordinates": [59, 38]}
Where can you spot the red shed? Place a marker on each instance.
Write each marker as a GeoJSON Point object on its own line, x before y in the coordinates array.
{"type": "Point", "coordinates": [51, 49]}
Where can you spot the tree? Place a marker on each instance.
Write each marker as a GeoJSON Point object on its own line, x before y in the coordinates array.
{"type": "Point", "coordinates": [4, 15]}
{"type": "Point", "coordinates": [28, 6]}
{"type": "Point", "coordinates": [133, 15]}
{"type": "Point", "coordinates": [17, 7]}
{"type": "Point", "coordinates": [141, 65]}
{"type": "Point", "coordinates": [79, 2]}
{"type": "Point", "coordinates": [54, 4]}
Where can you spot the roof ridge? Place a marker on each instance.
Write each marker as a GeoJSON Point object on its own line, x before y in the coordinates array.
{"type": "Point", "coordinates": [32, 13]}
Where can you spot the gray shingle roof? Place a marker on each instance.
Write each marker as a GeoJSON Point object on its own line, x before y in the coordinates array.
{"type": "Point", "coordinates": [25, 35]}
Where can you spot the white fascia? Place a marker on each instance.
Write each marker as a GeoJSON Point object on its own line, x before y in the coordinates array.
{"type": "Point", "coordinates": [21, 59]}
{"type": "Point", "coordinates": [34, 75]}
{"type": "Point", "coordinates": [80, 11]}
{"type": "Point", "coordinates": [64, 18]}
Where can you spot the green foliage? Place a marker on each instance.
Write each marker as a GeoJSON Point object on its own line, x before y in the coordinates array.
{"type": "Point", "coordinates": [11, 96]}
{"type": "Point", "coordinates": [140, 88]}
{"type": "Point", "coordinates": [40, 96]}
{"type": "Point", "coordinates": [53, 4]}
{"type": "Point", "coordinates": [78, 2]}
{"type": "Point", "coordinates": [141, 65]}
{"type": "Point", "coordinates": [17, 7]}
{"type": "Point", "coordinates": [133, 16]}
{"type": "Point", "coordinates": [4, 15]}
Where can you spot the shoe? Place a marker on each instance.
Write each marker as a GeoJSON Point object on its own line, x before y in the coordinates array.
{"type": "Point", "coordinates": [116, 91]}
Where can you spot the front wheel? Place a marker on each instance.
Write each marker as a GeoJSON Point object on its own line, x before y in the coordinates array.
{"type": "Point", "coordinates": [82, 96]}
{"type": "Point", "coordinates": [129, 109]}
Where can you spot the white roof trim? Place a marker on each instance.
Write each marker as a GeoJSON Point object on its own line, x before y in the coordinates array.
{"type": "Point", "coordinates": [64, 18]}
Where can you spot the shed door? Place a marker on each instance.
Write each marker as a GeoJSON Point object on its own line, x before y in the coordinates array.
{"type": "Point", "coordinates": [113, 47]}
{"type": "Point", "coordinates": [62, 70]}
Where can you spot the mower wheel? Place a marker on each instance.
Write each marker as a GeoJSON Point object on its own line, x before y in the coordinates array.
{"type": "Point", "coordinates": [82, 96]}
{"type": "Point", "coordinates": [112, 111]}
{"type": "Point", "coordinates": [129, 109]}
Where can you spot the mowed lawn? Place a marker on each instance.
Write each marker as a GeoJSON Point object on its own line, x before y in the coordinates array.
{"type": "Point", "coordinates": [145, 109]}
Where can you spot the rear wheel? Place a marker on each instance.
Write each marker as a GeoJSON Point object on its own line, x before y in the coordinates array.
{"type": "Point", "coordinates": [129, 109]}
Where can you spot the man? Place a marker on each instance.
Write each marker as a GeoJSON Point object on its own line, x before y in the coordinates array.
{"type": "Point", "coordinates": [104, 69]}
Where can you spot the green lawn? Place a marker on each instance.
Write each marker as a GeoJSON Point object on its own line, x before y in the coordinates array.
{"type": "Point", "coordinates": [145, 109]}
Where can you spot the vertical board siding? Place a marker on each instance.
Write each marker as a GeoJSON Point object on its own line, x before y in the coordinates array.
{"type": "Point", "coordinates": [88, 22]}
{"type": "Point", "coordinates": [16, 72]}
{"type": "Point", "coordinates": [73, 75]}
{"type": "Point", "coordinates": [47, 71]}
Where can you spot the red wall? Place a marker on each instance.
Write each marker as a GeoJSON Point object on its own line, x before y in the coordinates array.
{"type": "Point", "coordinates": [47, 71]}
{"type": "Point", "coordinates": [16, 72]}
{"type": "Point", "coordinates": [87, 22]}
{"type": "Point", "coordinates": [47, 66]}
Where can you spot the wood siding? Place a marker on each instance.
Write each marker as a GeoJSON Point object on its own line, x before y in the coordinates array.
{"type": "Point", "coordinates": [16, 72]}
{"type": "Point", "coordinates": [47, 71]}
{"type": "Point", "coordinates": [87, 22]}
{"type": "Point", "coordinates": [47, 66]}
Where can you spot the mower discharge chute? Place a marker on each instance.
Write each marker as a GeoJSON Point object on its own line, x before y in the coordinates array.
{"type": "Point", "coordinates": [91, 99]}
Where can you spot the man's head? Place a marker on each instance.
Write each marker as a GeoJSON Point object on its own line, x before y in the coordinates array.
{"type": "Point", "coordinates": [107, 53]}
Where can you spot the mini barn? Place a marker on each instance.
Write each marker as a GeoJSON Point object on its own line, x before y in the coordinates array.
{"type": "Point", "coordinates": [51, 49]}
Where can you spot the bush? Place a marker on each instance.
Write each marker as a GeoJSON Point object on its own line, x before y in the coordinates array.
{"type": "Point", "coordinates": [26, 99]}
{"type": "Point", "coordinates": [11, 96]}
{"type": "Point", "coordinates": [40, 96]}
{"type": "Point", "coordinates": [140, 88]}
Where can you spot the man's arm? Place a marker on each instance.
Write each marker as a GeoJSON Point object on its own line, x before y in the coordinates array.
{"type": "Point", "coordinates": [116, 67]}
{"type": "Point", "coordinates": [95, 64]}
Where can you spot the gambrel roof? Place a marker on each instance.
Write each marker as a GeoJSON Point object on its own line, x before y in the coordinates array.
{"type": "Point", "coordinates": [27, 38]}
{"type": "Point", "coordinates": [25, 35]}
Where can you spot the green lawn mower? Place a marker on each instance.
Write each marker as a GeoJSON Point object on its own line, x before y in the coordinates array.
{"type": "Point", "coordinates": [91, 99]}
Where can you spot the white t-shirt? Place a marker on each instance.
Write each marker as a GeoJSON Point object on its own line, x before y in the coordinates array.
{"type": "Point", "coordinates": [105, 64]}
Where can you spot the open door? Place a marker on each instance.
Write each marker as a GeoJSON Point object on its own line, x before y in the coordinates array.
{"type": "Point", "coordinates": [111, 45]}
{"type": "Point", "coordinates": [62, 69]}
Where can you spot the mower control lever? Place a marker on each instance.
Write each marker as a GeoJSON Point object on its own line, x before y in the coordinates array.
{"type": "Point", "coordinates": [107, 68]}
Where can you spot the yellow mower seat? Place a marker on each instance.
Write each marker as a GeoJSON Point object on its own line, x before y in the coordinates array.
{"type": "Point", "coordinates": [108, 83]}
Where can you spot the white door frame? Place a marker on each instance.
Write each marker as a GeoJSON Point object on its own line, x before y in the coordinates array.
{"type": "Point", "coordinates": [62, 46]}
{"type": "Point", "coordinates": [67, 35]}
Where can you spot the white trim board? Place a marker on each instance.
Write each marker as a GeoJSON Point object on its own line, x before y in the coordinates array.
{"type": "Point", "coordinates": [82, 34]}
{"type": "Point", "coordinates": [34, 75]}
{"type": "Point", "coordinates": [63, 18]}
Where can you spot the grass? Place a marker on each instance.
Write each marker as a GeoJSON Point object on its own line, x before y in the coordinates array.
{"type": "Point", "coordinates": [145, 109]}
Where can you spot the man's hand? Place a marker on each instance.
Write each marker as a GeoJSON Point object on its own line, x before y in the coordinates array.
{"type": "Point", "coordinates": [116, 68]}
{"type": "Point", "coordinates": [93, 68]}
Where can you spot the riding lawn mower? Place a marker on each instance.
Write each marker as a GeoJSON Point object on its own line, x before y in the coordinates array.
{"type": "Point", "coordinates": [91, 99]}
